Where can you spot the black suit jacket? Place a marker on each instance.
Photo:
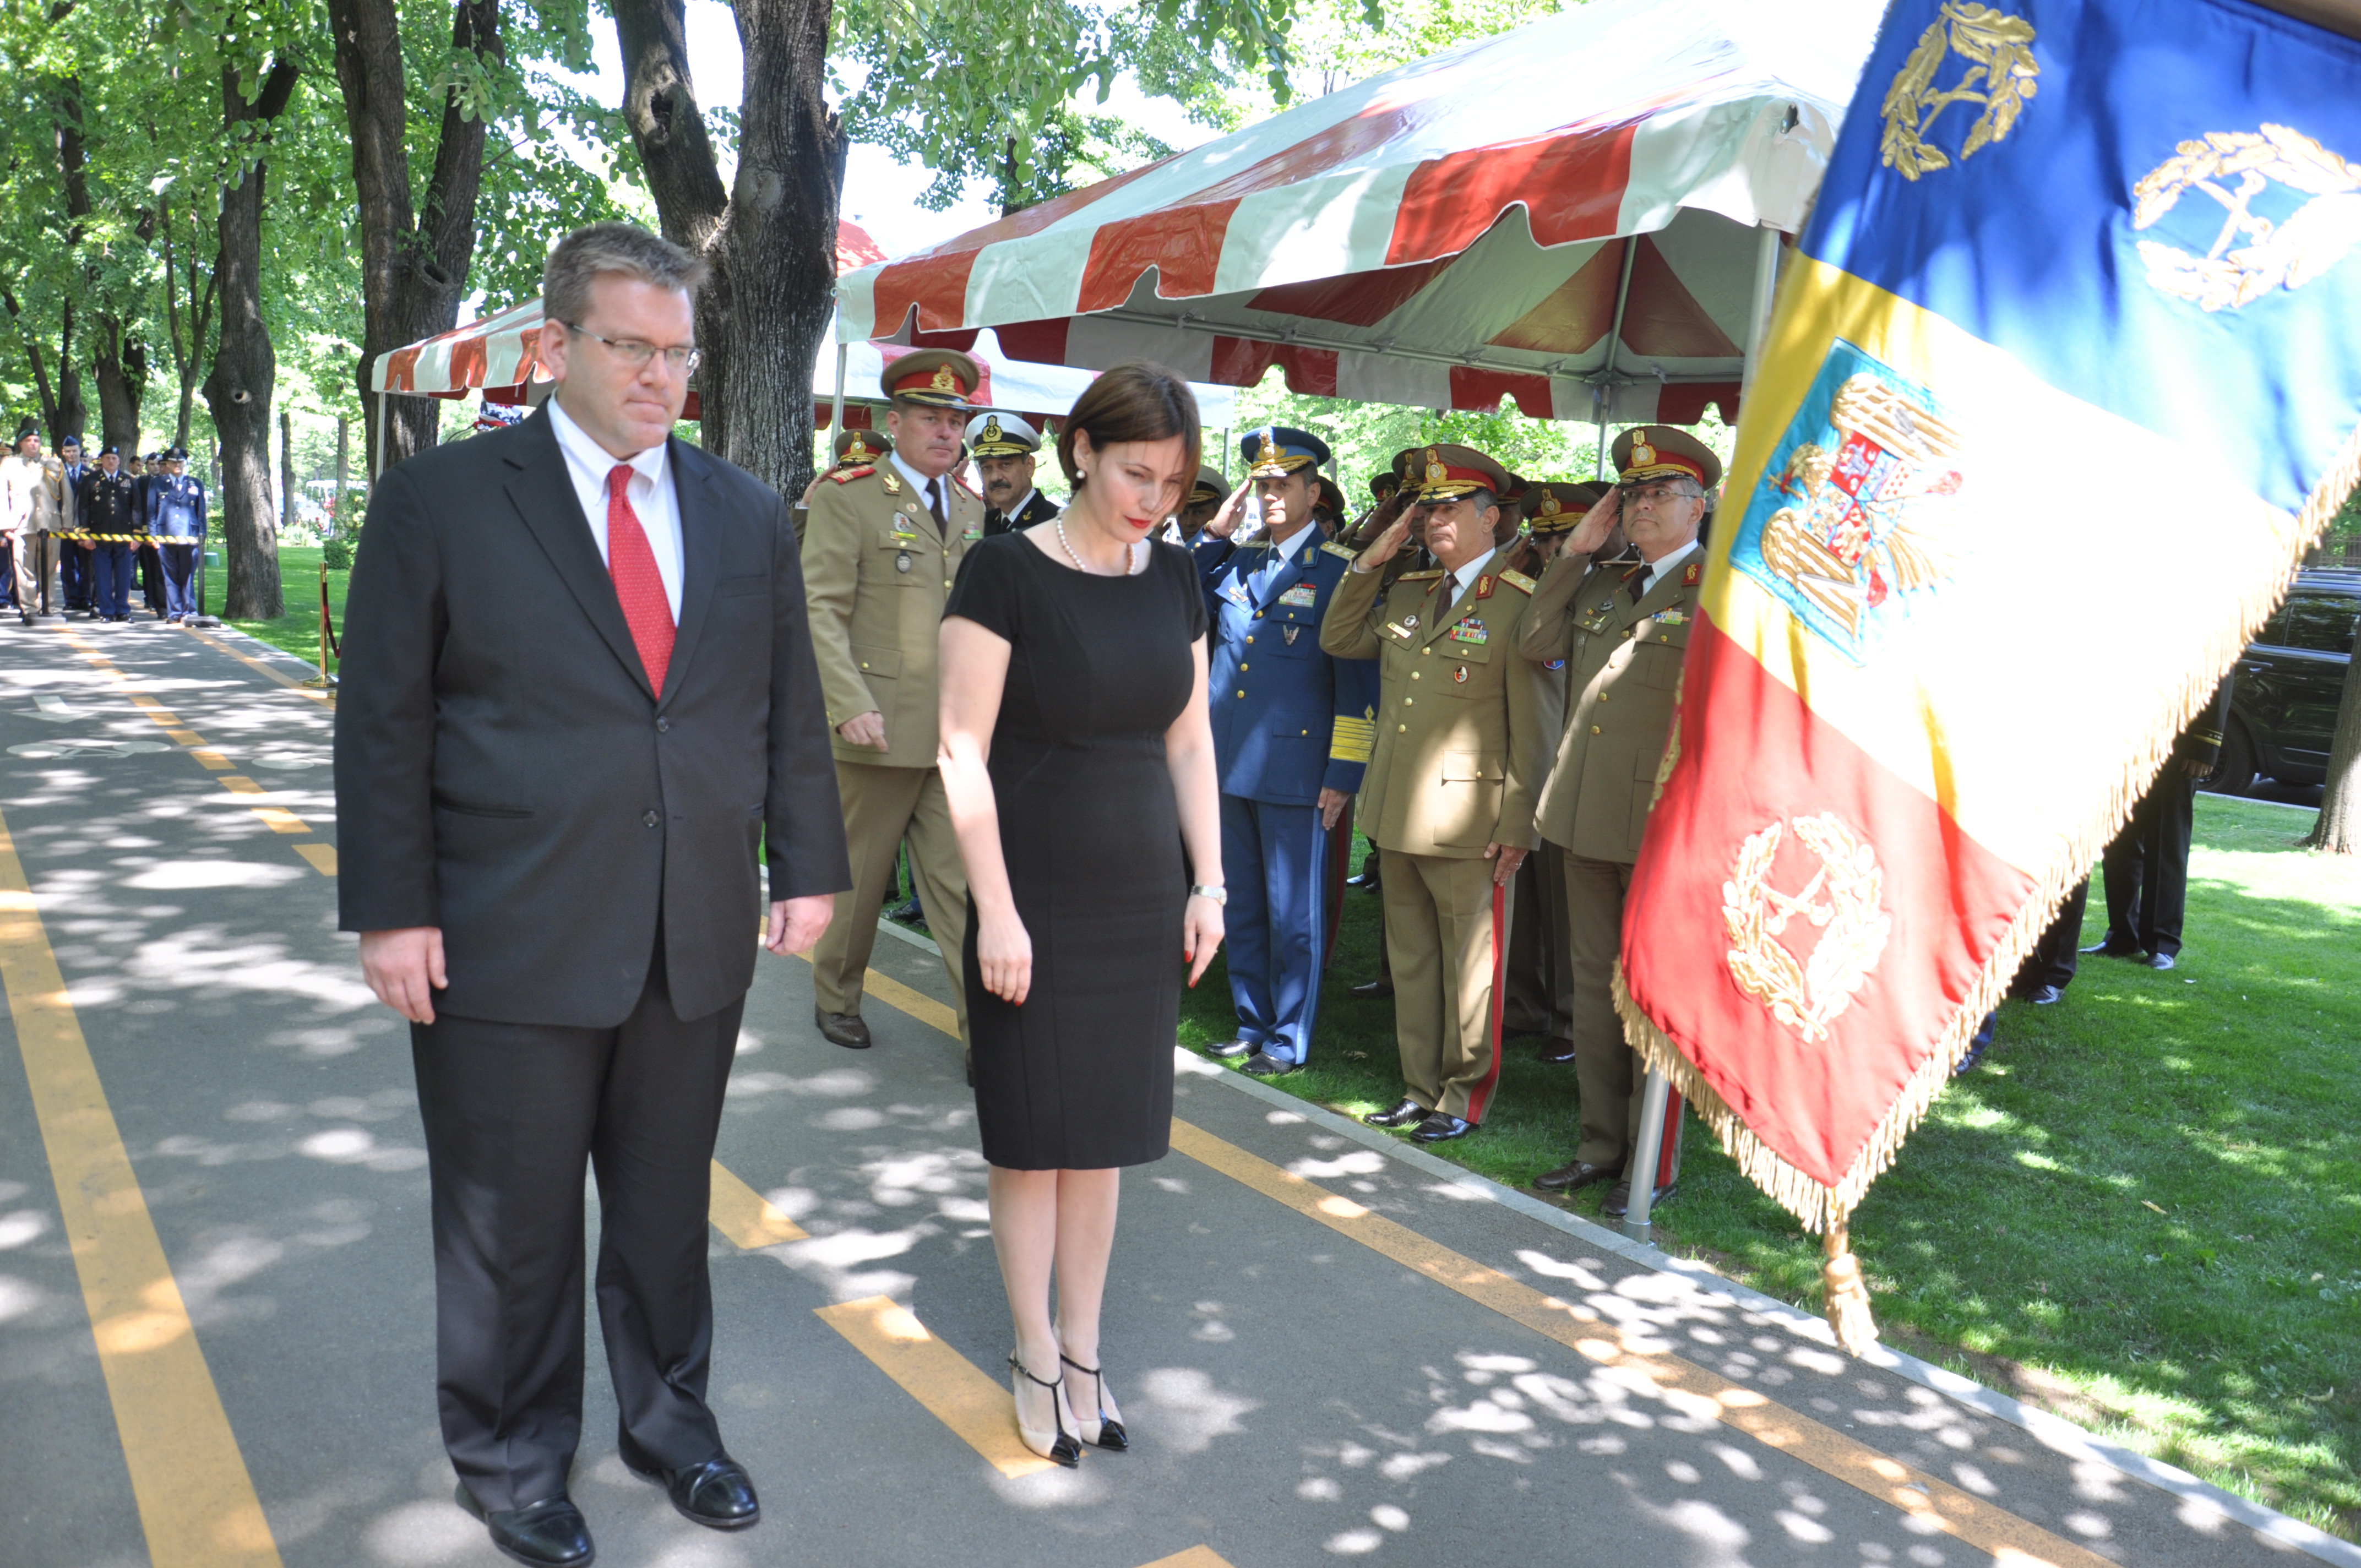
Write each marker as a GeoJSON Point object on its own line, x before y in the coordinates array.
{"type": "Point", "coordinates": [505, 772]}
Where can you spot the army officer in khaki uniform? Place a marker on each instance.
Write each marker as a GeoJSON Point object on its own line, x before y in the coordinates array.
{"type": "Point", "coordinates": [879, 552]}
{"type": "Point", "coordinates": [1622, 628]}
{"type": "Point", "coordinates": [1448, 797]}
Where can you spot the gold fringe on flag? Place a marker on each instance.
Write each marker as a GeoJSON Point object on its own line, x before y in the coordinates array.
{"type": "Point", "coordinates": [1826, 1210]}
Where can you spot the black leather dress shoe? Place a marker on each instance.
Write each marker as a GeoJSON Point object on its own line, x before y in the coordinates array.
{"type": "Point", "coordinates": [1556, 1052]}
{"type": "Point", "coordinates": [844, 1029]}
{"type": "Point", "coordinates": [907, 914]}
{"type": "Point", "coordinates": [1262, 1064]}
{"type": "Point", "coordinates": [716, 1494]}
{"type": "Point", "coordinates": [1439, 1128]}
{"type": "Point", "coordinates": [2161, 961]}
{"type": "Point", "coordinates": [1230, 1050]}
{"type": "Point", "coordinates": [1376, 990]}
{"type": "Point", "coordinates": [551, 1533]}
{"type": "Point", "coordinates": [1573, 1177]}
{"type": "Point", "coordinates": [2109, 949]}
{"type": "Point", "coordinates": [2043, 995]}
{"type": "Point", "coordinates": [1401, 1115]}
{"type": "Point", "coordinates": [1618, 1200]}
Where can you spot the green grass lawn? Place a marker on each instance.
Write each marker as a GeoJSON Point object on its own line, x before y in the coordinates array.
{"type": "Point", "coordinates": [298, 631]}
{"type": "Point", "coordinates": [2141, 1211]}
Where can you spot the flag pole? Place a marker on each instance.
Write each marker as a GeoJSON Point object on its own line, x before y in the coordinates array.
{"type": "Point", "coordinates": [1766, 291]}
{"type": "Point", "coordinates": [1648, 1156]}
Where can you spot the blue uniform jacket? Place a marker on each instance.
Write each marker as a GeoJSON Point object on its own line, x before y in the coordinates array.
{"type": "Point", "coordinates": [176, 508]}
{"type": "Point", "coordinates": [1287, 718]}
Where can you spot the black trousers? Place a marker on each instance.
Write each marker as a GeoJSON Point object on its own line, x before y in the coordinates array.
{"type": "Point", "coordinates": [512, 1114]}
{"type": "Point", "coordinates": [2148, 866]}
{"type": "Point", "coordinates": [2052, 959]}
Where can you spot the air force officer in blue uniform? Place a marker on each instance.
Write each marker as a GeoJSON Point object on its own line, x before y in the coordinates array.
{"type": "Point", "coordinates": [1292, 729]}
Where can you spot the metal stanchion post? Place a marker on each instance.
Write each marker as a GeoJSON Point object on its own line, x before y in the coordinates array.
{"type": "Point", "coordinates": [1648, 1156]}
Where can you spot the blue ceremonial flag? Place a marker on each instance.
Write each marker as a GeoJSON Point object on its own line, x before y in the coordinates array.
{"type": "Point", "coordinates": [2064, 378]}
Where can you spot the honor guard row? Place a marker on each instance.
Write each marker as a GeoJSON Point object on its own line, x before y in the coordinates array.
{"type": "Point", "coordinates": [1293, 725]}
{"type": "Point", "coordinates": [881, 550]}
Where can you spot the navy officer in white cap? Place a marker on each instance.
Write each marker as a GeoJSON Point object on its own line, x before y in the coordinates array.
{"type": "Point", "coordinates": [1003, 446]}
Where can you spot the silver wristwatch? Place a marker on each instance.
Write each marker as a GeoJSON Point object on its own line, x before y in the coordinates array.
{"type": "Point", "coordinates": [1218, 894]}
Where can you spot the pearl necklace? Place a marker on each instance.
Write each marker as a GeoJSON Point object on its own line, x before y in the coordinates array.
{"type": "Point", "coordinates": [1068, 545]}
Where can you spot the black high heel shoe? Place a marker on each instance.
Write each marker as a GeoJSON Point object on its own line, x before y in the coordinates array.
{"type": "Point", "coordinates": [1058, 1446]}
{"type": "Point", "coordinates": [1109, 1433]}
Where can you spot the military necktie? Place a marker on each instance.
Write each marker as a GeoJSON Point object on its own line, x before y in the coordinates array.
{"type": "Point", "coordinates": [935, 505]}
{"type": "Point", "coordinates": [639, 587]}
{"type": "Point", "coordinates": [1450, 589]}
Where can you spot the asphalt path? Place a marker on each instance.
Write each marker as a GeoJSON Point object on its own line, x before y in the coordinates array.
{"type": "Point", "coordinates": [216, 1327]}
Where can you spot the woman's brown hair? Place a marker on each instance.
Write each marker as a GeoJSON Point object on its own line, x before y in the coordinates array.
{"type": "Point", "coordinates": [1136, 400]}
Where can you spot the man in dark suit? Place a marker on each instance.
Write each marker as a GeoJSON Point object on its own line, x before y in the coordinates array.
{"type": "Point", "coordinates": [578, 693]}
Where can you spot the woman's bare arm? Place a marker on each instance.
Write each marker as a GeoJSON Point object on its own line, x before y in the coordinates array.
{"type": "Point", "coordinates": [1189, 752]}
{"type": "Point", "coordinates": [974, 665]}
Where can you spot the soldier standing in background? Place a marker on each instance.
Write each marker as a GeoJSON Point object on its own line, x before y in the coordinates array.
{"type": "Point", "coordinates": [176, 518]}
{"type": "Point", "coordinates": [73, 555]}
{"type": "Point", "coordinates": [1622, 630]}
{"type": "Point", "coordinates": [880, 553]}
{"type": "Point", "coordinates": [2146, 866]}
{"type": "Point", "coordinates": [1447, 796]}
{"type": "Point", "coordinates": [106, 506]}
{"type": "Point", "coordinates": [1205, 501]}
{"type": "Point", "coordinates": [1003, 448]}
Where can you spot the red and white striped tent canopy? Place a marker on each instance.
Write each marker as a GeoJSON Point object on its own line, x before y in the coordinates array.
{"type": "Point", "coordinates": [1580, 214]}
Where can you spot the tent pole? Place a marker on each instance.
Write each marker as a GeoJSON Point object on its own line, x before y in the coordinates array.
{"type": "Point", "coordinates": [1614, 348]}
{"type": "Point", "coordinates": [1648, 1156]}
{"type": "Point", "coordinates": [376, 463]}
{"type": "Point", "coordinates": [836, 408]}
{"type": "Point", "coordinates": [1767, 290]}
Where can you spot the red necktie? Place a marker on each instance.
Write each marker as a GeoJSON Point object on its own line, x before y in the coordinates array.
{"type": "Point", "coordinates": [638, 584]}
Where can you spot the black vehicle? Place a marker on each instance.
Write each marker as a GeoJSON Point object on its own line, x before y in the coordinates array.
{"type": "Point", "coordinates": [2291, 682]}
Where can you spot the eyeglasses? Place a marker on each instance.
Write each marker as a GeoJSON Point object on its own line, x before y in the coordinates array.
{"type": "Point", "coordinates": [1659, 495]}
{"type": "Point", "coordinates": [633, 351]}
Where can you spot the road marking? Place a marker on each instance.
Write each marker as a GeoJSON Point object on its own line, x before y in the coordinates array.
{"type": "Point", "coordinates": [979, 1409]}
{"type": "Point", "coordinates": [325, 698]}
{"type": "Point", "coordinates": [1686, 1387]}
{"type": "Point", "coordinates": [322, 856]}
{"type": "Point", "coordinates": [1195, 1557]}
{"type": "Point", "coordinates": [197, 1503]}
{"type": "Point", "coordinates": [739, 1212]}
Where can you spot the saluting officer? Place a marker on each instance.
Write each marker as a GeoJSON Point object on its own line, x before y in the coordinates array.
{"type": "Point", "coordinates": [176, 517]}
{"type": "Point", "coordinates": [107, 507]}
{"type": "Point", "coordinates": [1205, 500]}
{"type": "Point", "coordinates": [1003, 446]}
{"type": "Point", "coordinates": [1291, 733]}
{"type": "Point", "coordinates": [1622, 629]}
{"type": "Point", "coordinates": [879, 552]}
{"type": "Point", "coordinates": [1540, 974]}
{"type": "Point", "coordinates": [1448, 797]}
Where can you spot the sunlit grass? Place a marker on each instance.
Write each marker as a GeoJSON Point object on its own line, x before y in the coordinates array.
{"type": "Point", "coordinates": [298, 631]}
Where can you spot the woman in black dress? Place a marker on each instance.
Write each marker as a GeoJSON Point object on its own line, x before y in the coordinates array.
{"type": "Point", "coordinates": [1080, 766]}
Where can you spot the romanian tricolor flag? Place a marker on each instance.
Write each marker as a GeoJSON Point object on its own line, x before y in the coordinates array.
{"type": "Point", "coordinates": [2064, 377]}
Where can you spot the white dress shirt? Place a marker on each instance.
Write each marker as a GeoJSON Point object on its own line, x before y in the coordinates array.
{"type": "Point", "coordinates": [920, 483]}
{"type": "Point", "coordinates": [1656, 569]}
{"type": "Point", "coordinates": [1464, 574]}
{"type": "Point", "coordinates": [650, 491]}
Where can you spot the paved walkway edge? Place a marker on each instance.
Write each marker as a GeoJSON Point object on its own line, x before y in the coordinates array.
{"type": "Point", "coordinates": [2054, 1433]}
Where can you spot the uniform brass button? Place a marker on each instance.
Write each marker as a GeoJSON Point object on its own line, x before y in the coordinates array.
{"type": "Point", "coordinates": [1249, 639]}
{"type": "Point", "coordinates": [864, 663]}
{"type": "Point", "coordinates": [650, 819]}
{"type": "Point", "coordinates": [1242, 694]}
{"type": "Point", "coordinates": [1594, 730]}
{"type": "Point", "coordinates": [1426, 650]}
{"type": "Point", "coordinates": [1602, 697]}
{"type": "Point", "coordinates": [1244, 668]}
{"type": "Point", "coordinates": [1408, 701]}
{"type": "Point", "coordinates": [1414, 674]}
{"type": "Point", "coordinates": [1402, 728]}
{"type": "Point", "coordinates": [1258, 615]}
{"type": "Point", "coordinates": [1304, 732]}
{"type": "Point", "coordinates": [947, 582]}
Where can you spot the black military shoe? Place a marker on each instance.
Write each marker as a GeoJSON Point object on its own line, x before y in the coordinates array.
{"type": "Point", "coordinates": [1376, 990]}
{"type": "Point", "coordinates": [2110, 949]}
{"type": "Point", "coordinates": [844, 1029]}
{"type": "Point", "coordinates": [1556, 1052]}
{"type": "Point", "coordinates": [2044, 995]}
{"type": "Point", "coordinates": [1573, 1177]}
{"type": "Point", "coordinates": [1230, 1050]}
{"type": "Point", "coordinates": [1262, 1064]}
{"type": "Point", "coordinates": [551, 1533]}
{"type": "Point", "coordinates": [716, 1494]}
{"type": "Point", "coordinates": [2161, 961]}
{"type": "Point", "coordinates": [1618, 1200]}
{"type": "Point", "coordinates": [1439, 1128]}
{"type": "Point", "coordinates": [1401, 1115]}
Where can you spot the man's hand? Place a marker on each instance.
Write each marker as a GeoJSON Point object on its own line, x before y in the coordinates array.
{"type": "Point", "coordinates": [1332, 803]}
{"type": "Point", "coordinates": [1386, 545]}
{"type": "Point", "coordinates": [865, 729]}
{"type": "Point", "coordinates": [405, 968]}
{"type": "Point", "coordinates": [1505, 860]}
{"type": "Point", "coordinates": [1597, 524]}
{"type": "Point", "coordinates": [796, 922]}
{"type": "Point", "coordinates": [2201, 772]}
{"type": "Point", "coordinates": [1224, 522]}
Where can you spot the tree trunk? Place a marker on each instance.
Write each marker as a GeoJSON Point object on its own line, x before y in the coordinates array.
{"type": "Point", "coordinates": [414, 251]}
{"type": "Point", "coordinates": [770, 239]}
{"type": "Point", "coordinates": [238, 387]}
{"type": "Point", "coordinates": [188, 333]}
{"type": "Point", "coordinates": [120, 367]}
{"type": "Point", "coordinates": [2338, 827]}
{"type": "Point", "coordinates": [72, 413]}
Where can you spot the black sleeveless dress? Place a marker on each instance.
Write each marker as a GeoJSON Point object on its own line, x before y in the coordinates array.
{"type": "Point", "coordinates": [1080, 1077]}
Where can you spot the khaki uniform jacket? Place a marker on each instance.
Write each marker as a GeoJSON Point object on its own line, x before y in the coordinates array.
{"type": "Point", "coordinates": [35, 494]}
{"type": "Point", "coordinates": [1460, 716]}
{"type": "Point", "coordinates": [876, 575]}
{"type": "Point", "coordinates": [1623, 665]}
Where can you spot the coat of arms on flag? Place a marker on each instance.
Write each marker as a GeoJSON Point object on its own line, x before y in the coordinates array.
{"type": "Point", "coordinates": [2111, 328]}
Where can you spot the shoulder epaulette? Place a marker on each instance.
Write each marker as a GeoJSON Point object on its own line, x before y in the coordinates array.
{"type": "Point", "coordinates": [963, 485]}
{"type": "Point", "coordinates": [1518, 580]}
{"type": "Point", "coordinates": [1333, 548]}
{"type": "Point", "coordinates": [846, 475]}
{"type": "Point", "coordinates": [1418, 576]}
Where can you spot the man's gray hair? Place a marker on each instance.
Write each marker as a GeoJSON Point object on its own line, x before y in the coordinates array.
{"type": "Point", "coordinates": [624, 249]}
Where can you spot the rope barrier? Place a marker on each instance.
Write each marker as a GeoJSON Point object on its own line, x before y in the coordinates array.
{"type": "Point", "coordinates": [135, 538]}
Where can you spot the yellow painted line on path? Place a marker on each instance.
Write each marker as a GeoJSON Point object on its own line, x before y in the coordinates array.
{"type": "Point", "coordinates": [1195, 1557]}
{"type": "Point", "coordinates": [325, 698]}
{"type": "Point", "coordinates": [981, 1410]}
{"type": "Point", "coordinates": [743, 1214]}
{"type": "Point", "coordinates": [1686, 1387]}
{"type": "Point", "coordinates": [276, 817]}
{"type": "Point", "coordinates": [197, 1503]}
